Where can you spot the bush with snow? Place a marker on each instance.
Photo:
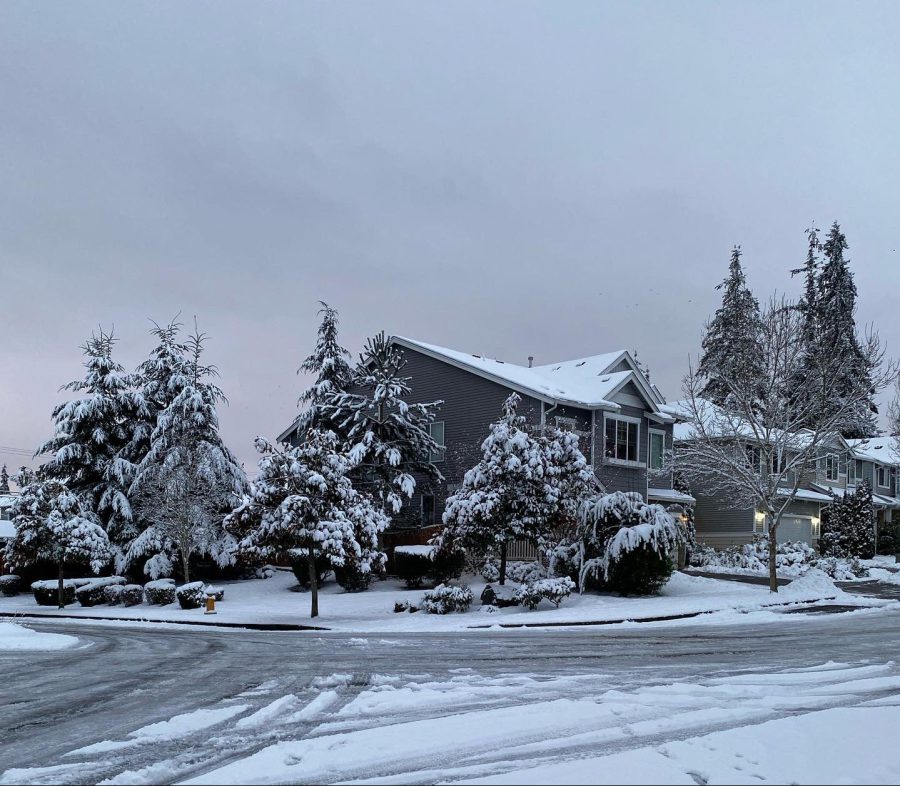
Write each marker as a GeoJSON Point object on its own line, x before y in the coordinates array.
{"type": "Point", "coordinates": [160, 592]}
{"type": "Point", "coordinates": [790, 557]}
{"type": "Point", "coordinates": [10, 585]}
{"type": "Point", "coordinates": [841, 569]}
{"type": "Point", "coordinates": [300, 566]}
{"type": "Point", "coordinates": [413, 564]}
{"type": "Point", "coordinates": [446, 598]}
{"type": "Point", "coordinates": [132, 595]}
{"type": "Point", "coordinates": [352, 576]}
{"type": "Point", "coordinates": [490, 570]}
{"type": "Point", "coordinates": [525, 572]}
{"type": "Point", "coordinates": [112, 594]}
{"type": "Point", "coordinates": [94, 593]}
{"type": "Point", "coordinates": [554, 590]}
{"type": "Point", "coordinates": [191, 596]}
{"type": "Point", "coordinates": [46, 593]}
{"type": "Point", "coordinates": [447, 564]}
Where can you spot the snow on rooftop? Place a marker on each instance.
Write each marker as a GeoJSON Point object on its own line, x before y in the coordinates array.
{"type": "Point", "coordinates": [586, 382]}
{"type": "Point", "coordinates": [881, 449]}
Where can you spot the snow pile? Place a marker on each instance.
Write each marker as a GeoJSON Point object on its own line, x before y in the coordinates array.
{"type": "Point", "coordinates": [15, 637]}
{"type": "Point", "coordinates": [812, 584]}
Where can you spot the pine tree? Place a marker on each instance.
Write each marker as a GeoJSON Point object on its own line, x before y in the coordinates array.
{"type": "Point", "coordinates": [731, 362]}
{"type": "Point", "coordinates": [570, 478]}
{"type": "Point", "coordinates": [837, 343]}
{"type": "Point", "coordinates": [188, 479]}
{"type": "Point", "coordinates": [387, 437]}
{"type": "Point", "coordinates": [333, 375]}
{"type": "Point", "coordinates": [53, 525]}
{"type": "Point", "coordinates": [91, 430]}
{"type": "Point", "coordinates": [847, 528]}
{"type": "Point", "coordinates": [4, 480]}
{"type": "Point", "coordinates": [506, 496]}
{"type": "Point", "coordinates": [303, 499]}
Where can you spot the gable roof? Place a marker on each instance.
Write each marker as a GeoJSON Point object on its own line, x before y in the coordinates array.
{"type": "Point", "coordinates": [584, 382]}
{"type": "Point", "coordinates": [883, 450]}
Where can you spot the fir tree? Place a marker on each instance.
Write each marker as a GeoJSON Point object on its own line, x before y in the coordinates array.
{"type": "Point", "coordinates": [388, 438]}
{"type": "Point", "coordinates": [303, 499]}
{"type": "Point", "coordinates": [333, 375]}
{"type": "Point", "coordinates": [506, 496]}
{"type": "Point", "coordinates": [730, 363]}
{"type": "Point", "coordinates": [53, 525]}
{"type": "Point", "coordinates": [90, 432]}
{"type": "Point", "coordinates": [188, 478]}
{"type": "Point", "coordinates": [847, 528]}
{"type": "Point", "coordinates": [837, 343]}
{"type": "Point", "coordinates": [4, 480]}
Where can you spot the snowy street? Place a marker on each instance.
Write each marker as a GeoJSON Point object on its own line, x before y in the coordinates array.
{"type": "Point", "coordinates": [164, 704]}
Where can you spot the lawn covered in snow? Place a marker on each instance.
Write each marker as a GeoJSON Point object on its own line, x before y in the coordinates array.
{"type": "Point", "coordinates": [273, 601]}
{"type": "Point", "coordinates": [18, 637]}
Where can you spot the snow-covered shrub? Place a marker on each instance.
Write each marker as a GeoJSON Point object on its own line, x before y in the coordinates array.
{"type": "Point", "coordinates": [10, 585]}
{"type": "Point", "coordinates": [490, 570]}
{"type": "Point", "coordinates": [525, 572]}
{"type": "Point", "coordinates": [46, 593]}
{"type": "Point", "coordinates": [413, 564]}
{"type": "Point", "coordinates": [405, 605]}
{"type": "Point", "coordinates": [132, 595]}
{"type": "Point", "coordinates": [446, 598]}
{"type": "Point", "coordinates": [191, 596]}
{"type": "Point", "coordinates": [352, 577]}
{"type": "Point", "coordinates": [95, 593]}
{"type": "Point", "coordinates": [842, 570]}
{"type": "Point", "coordinates": [554, 590]}
{"type": "Point", "coordinates": [627, 543]}
{"type": "Point", "coordinates": [112, 594]}
{"type": "Point", "coordinates": [300, 566]}
{"type": "Point", "coordinates": [565, 560]}
{"type": "Point", "coordinates": [790, 557]}
{"type": "Point", "coordinates": [158, 566]}
{"type": "Point", "coordinates": [447, 564]}
{"type": "Point", "coordinates": [160, 592]}
{"type": "Point", "coordinates": [266, 572]}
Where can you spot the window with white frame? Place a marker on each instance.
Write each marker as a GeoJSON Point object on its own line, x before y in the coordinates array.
{"type": "Point", "coordinates": [853, 473]}
{"type": "Point", "coordinates": [831, 467]}
{"type": "Point", "coordinates": [657, 452]}
{"type": "Point", "coordinates": [882, 476]}
{"type": "Point", "coordinates": [436, 432]}
{"type": "Point", "coordinates": [621, 438]}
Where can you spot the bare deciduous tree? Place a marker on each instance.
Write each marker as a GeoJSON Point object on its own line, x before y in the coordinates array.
{"type": "Point", "coordinates": [765, 445]}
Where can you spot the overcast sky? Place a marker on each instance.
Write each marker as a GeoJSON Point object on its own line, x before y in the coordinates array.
{"type": "Point", "coordinates": [507, 178]}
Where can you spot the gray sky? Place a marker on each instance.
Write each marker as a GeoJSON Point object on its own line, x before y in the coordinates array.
{"type": "Point", "coordinates": [507, 178]}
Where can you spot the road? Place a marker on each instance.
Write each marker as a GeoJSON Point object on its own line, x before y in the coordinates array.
{"type": "Point", "coordinates": [125, 677]}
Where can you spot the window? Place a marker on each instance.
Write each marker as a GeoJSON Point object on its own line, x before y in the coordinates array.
{"type": "Point", "coordinates": [882, 476]}
{"type": "Point", "coordinates": [779, 462]}
{"type": "Point", "coordinates": [831, 467]}
{"type": "Point", "coordinates": [436, 432]}
{"type": "Point", "coordinates": [621, 439]}
{"type": "Point", "coordinates": [657, 449]}
{"type": "Point", "coordinates": [853, 471]}
{"type": "Point", "coordinates": [565, 424]}
{"type": "Point", "coordinates": [427, 510]}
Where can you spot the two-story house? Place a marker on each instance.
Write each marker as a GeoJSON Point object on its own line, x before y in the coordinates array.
{"type": "Point", "coordinates": [877, 460]}
{"type": "Point", "coordinates": [605, 399]}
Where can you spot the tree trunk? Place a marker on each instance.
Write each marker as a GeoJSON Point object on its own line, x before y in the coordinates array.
{"type": "Point", "coordinates": [773, 545]}
{"type": "Point", "coordinates": [61, 596]}
{"type": "Point", "coordinates": [186, 566]}
{"type": "Point", "coordinates": [503, 563]}
{"type": "Point", "coordinates": [313, 583]}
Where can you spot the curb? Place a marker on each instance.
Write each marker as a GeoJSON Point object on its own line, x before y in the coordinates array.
{"type": "Point", "coordinates": [269, 626]}
{"type": "Point", "coordinates": [687, 615]}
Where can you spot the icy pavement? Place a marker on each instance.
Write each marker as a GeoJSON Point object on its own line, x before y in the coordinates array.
{"type": "Point", "coordinates": [673, 704]}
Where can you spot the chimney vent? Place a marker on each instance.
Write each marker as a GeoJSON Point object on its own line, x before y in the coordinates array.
{"type": "Point", "coordinates": [530, 360]}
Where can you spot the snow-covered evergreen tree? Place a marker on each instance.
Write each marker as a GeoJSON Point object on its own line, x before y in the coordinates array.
{"type": "Point", "coordinates": [570, 478]}
{"type": "Point", "coordinates": [506, 496]}
{"type": "Point", "coordinates": [847, 528]}
{"type": "Point", "coordinates": [837, 340]}
{"type": "Point", "coordinates": [188, 479]}
{"type": "Point", "coordinates": [731, 345]}
{"type": "Point", "coordinates": [302, 498]}
{"type": "Point", "coordinates": [91, 430]}
{"type": "Point", "coordinates": [387, 437]}
{"type": "Point", "coordinates": [4, 480]}
{"type": "Point", "coordinates": [333, 375]}
{"type": "Point", "coordinates": [53, 525]}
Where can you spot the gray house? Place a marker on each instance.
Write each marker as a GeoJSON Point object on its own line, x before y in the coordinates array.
{"type": "Point", "coordinates": [605, 399]}
{"type": "Point", "coordinates": [877, 460]}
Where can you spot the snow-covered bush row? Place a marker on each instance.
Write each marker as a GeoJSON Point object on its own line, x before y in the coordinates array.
{"type": "Point", "coordinates": [446, 598]}
{"type": "Point", "coordinates": [46, 593]}
{"type": "Point", "coordinates": [554, 590]}
{"type": "Point", "coordinates": [132, 595]}
{"type": "Point", "coordinates": [842, 569]}
{"type": "Point", "coordinates": [10, 584]}
{"type": "Point", "coordinates": [525, 572]}
{"type": "Point", "coordinates": [791, 559]}
{"type": "Point", "coordinates": [160, 592]}
{"type": "Point", "coordinates": [112, 594]}
{"type": "Point", "coordinates": [95, 593]}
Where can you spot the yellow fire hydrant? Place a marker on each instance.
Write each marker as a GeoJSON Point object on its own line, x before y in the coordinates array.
{"type": "Point", "coordinates": [210, 605]}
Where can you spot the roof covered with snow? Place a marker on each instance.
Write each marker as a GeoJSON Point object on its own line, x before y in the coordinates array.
{"type": "Point", "coordinates": [7, 530]}
{"type": "Point", "coordinates": [585, 382]}
{"type": "Point", "coordinates": [881, 449]}
{"type": "Point", "coordinates": [6, 500]}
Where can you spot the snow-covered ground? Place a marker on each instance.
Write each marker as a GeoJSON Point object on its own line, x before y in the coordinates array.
{"type": "Point", "coordinates": [272, 601]}
{"type": "Point", "coordinates": [17, 637]}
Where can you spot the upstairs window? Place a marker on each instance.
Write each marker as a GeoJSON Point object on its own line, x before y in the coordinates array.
{"type": "Point", "coordinates": [436, 432]}
{"type": "Point", "coordinates": [882, 475]}
{"type": "Point", "coordinates": [565, 424]}
{"type": "Point", "coordinates": [831, 467]}
{"type": "Point", "coordinates": [621, 439]}
{"type": "Point", "coordinates": [657, 450]}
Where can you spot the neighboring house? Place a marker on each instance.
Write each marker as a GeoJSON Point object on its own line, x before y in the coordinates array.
{"type": "Point", "coordinates": [877, 460]}
{"type": "Point", "coordinates": [605, 399]}
{"type": "Point", "coordinates": [7, 530]}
